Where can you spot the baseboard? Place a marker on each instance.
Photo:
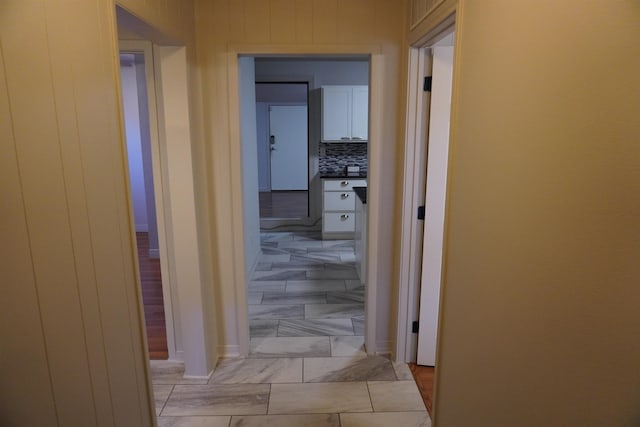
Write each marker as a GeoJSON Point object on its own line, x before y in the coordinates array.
{"type": "Point", "coordinates": [178, 357]}
{"type": "Point", "coordinates": [154, 253]}
{"type": "Point", "coordinates": [385, 349]}
{"type": "Point", "coordinates": [229, 351]}
{"type": "Point", "coordinates": [198, 377]}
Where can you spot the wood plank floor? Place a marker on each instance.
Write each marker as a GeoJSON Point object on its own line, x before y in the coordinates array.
{"type": "Point", "coordinates": [152, 300]}
{"type": "Point", "coordinates": [424, 379]}
{"type": "Point", "coordinates": [284, 204]}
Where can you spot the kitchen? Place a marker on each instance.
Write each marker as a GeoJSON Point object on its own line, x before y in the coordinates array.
{"type": "Point", "coordinates": [336, 156]}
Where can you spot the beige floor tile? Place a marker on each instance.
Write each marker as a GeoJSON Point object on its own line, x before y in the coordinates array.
{"type": "Point", "coordinates": [290, 347]}
{"type": "Point", "coordinates": [354, 368]}
{"type": "Point", "coordinates": [347, 346]}
{"type": "Point", "coordinates": [217, 399]}
{"type": "Point", "coordinates": [319, 398]}
{"type": "Point", "coordinates": [161, 393]}
{"type": "Point", "coordinates": [402, 371]}
{"type": "Point", "coordinates": [214, 421]}
{"type": "Point", "coordinates": [254, 371]}
{"type": "Point", "coordinates": [314, 420]}
{"type": "Point", "coordinates": [388, 396]}
{"type": "Point", "coordinates": [386, 419]}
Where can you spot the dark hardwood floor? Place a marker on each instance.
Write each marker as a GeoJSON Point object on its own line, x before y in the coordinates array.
{"type": "Point", "coordinates": [152, 300]}
{"type": "Point", "coordinates": [284, 204]}
{"type": "Point", "coordinates": [424, 379]}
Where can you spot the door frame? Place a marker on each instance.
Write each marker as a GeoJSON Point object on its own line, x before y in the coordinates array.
{"type": "Point", "coordinates": [376, 82]}
{"type": "Point", "coordinates": [423, 35]}
{"type": "Point", "coordinates": [161, 191]}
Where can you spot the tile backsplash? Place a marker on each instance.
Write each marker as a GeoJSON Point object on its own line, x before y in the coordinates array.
{"type": "Point", "coordinates": [335, 156]}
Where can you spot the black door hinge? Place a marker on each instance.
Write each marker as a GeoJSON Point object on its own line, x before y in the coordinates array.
{"type": "Point", "coordinates": [427, 84]}
{"type": "Point", "coordinates": [415, 326]}
{"type": "Point", "coordinates": [421, 212]}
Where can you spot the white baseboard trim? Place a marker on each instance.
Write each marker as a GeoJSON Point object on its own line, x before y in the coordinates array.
{"type": "Point", "coordinates": [154, 253]}
{"type": "Point", "coordinates": [385, 349]}
{"type": "Point", "coordinates": [229, 351]}
{"type": "Point", "coordinates": [198, 377]}
{"type": "Point", "coordinates": [178, 357]}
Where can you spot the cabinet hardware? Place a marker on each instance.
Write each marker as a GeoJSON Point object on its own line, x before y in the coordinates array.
{"type": "Point", "coordinates": [344, 183]}
{"type": "Point", "coordinates": [344, 195]}
{"type": "Point", "coordinates": [344, 217]}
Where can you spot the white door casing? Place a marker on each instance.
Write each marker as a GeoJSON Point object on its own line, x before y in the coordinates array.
{"type": "Point", "coordinates": [289, 143]}
{"type": "Point", "coordinates": [436, 185]}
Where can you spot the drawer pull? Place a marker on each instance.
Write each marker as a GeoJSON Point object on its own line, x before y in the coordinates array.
{"type": "Point", "coordinates": [344, 217]}
{"type": "Point", "coordinates": [344, 195]}
{"type": "Point", "coordinates": [344, 183]}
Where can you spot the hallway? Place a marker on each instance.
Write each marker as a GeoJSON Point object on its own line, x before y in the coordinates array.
{"type": "Point", "coordinates": [307, 363]}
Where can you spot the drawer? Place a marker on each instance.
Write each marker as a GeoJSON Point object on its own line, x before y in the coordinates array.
{"type": "Point", "coordinates": [343, 184]}
{"type": "Point", "coordinates": [337, 222]}
{"type": "Point", "coordinates": [339, 201]}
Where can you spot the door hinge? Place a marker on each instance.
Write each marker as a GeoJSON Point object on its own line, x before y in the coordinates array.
{"type": "Point", "coordinates": [427, 84]}
{"type": "Point", "coordinates": [421, 212]}
{"type": "Point", "coordinates": [415, 326]}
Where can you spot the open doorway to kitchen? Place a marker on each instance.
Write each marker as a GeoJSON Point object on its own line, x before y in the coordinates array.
{"type": "Point", "coordinates": [305, 294]}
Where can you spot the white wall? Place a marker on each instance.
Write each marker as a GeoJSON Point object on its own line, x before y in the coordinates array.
{"type": "Point", "coordinates": [249, 142]}
{"type": "Point", "coordinates": [134, 145]}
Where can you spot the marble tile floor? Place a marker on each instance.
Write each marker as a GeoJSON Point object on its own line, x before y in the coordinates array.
{"type": "Point", "coordinates": [307, 364]}
{"type": "Point", "coordinates": [351, 391]}
{"type": "Point", "coordinates": [304, 297]}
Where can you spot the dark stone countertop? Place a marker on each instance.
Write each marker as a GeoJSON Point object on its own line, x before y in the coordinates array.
{"type": "Point", "coordinates": [342, 175]}
{"type": "Point", "coordinates": [362, 194]}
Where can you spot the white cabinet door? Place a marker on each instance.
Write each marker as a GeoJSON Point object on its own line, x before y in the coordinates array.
{"type": "Point", "coordinates": [336, 113]}
{"type": "Point", "coordinates": [360, 113]}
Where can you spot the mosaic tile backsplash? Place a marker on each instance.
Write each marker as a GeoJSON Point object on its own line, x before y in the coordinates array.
{"type": "Point", "coordinates": [335, 156]}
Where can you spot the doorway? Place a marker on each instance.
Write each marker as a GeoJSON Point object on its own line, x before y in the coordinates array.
{"type": "Point", "coordinates": [283, 149]}
{"type": "Point", "coordinates": [305, 297]}
{"type": "Point", "coordinates": [425, 182]}
{"type": "Point", "coordinates": [139, 158]}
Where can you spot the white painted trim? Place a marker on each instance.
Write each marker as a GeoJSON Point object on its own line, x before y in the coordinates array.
{"type": "Point", "coordinates": [413, 196]}
{"type": "Point", "coordinates": [429, 31]}
{"type": "Point", "coordinates": [160, 179]}
{"type": "Point", "coordinates": [230, 352]}
{"type": "Point", "coordinates": [175, 137]}
{"type": "Point", "coordinates": [198, 377]}
{"type": "Point", "coordinates": [375, 132]}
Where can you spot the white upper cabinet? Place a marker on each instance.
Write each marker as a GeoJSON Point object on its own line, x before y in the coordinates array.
{"type": "Point", "coordinates": [345, 113]}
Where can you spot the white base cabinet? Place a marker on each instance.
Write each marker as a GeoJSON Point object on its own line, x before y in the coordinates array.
{"type": "Point", "coordinates": [338, 207]}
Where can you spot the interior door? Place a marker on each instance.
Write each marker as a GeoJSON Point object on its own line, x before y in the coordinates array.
{"type": "Point", "coordinates": [437, 162]}
{"type": "Point", "coordinates": [289, 147]}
